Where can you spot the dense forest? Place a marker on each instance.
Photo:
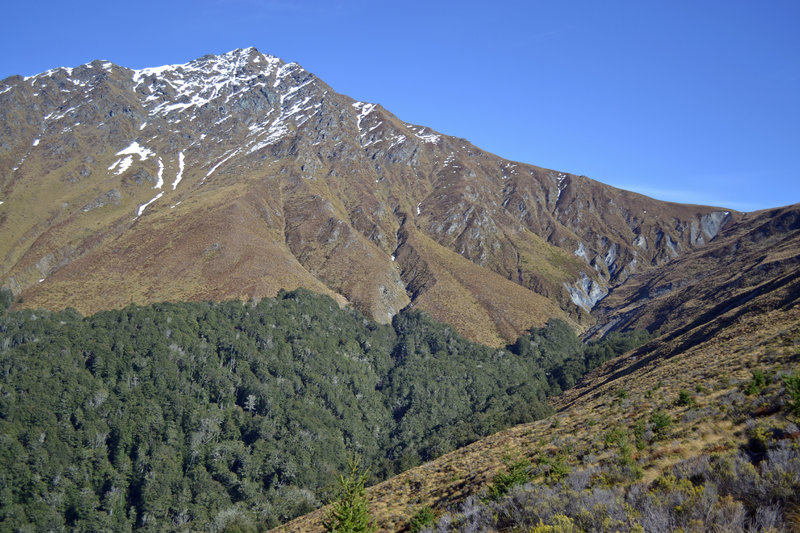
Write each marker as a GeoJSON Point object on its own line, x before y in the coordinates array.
{"type": "Point", "coordinates": [237, 416]}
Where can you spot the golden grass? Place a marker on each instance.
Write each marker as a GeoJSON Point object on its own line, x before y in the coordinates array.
{"type": "Point", "coordinates": [585, 413]}
{"type": "Point", "coordinates": [480, 304]}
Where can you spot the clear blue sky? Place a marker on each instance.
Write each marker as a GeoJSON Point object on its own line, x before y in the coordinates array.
{"type": "Point", "coordinates": [691, 101]}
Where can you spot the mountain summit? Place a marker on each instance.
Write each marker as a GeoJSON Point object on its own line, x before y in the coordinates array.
{"type": "Point", "coordinates": [236, 175]}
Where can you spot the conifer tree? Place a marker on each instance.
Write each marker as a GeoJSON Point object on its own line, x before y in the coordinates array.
{"type": "Point", "coordinates": [349, 513]}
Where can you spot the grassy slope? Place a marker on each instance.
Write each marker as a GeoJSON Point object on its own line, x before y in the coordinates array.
{"type": "Point", "coordinates": [651, 378]}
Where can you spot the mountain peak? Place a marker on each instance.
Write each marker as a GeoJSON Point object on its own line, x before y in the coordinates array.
{"type": "Point", "coordinates": [228, 66]}
{"type": "Point", "coordinates": [246, 174]}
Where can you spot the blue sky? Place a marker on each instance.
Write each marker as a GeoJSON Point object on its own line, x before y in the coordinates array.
{"type": "Point", "coordinates": [686, 101]}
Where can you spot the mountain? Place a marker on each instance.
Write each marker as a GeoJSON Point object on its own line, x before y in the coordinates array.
{"type": "Point", "coordinates": [234, 176]}
{"type": "Point", "coordinates": [238, 175]}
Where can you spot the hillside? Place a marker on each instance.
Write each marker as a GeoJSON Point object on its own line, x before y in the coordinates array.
{"type": "Point", "coordinates": [196, 416]}
{"type": "Point", "coordinates": [234, 176]}
{"type": "Point", "coordinates": [614, 405]}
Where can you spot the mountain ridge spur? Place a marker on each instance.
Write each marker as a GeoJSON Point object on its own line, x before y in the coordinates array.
{"type": "Point", "coordinates": [236, 175]}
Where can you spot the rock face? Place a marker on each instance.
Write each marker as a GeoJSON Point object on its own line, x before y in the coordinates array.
{"type": "Point", "coordinates": [234, 176]}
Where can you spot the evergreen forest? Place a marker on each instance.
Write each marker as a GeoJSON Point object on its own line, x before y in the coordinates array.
{"type": "Point", "coordinates": [238, 416]}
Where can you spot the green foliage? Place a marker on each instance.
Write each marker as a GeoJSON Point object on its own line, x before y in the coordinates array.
{"type": "Point", "coordinates": [423, 518]}
{"type": "Point", "coordinates": [6, 299]}
{"type": "Point", "coordinates": [194, 416]}
{"type": "Point", "coordinates": [684, 398]}
{"type": "Point", "coordinates": [661, 421]}
{"type": "Point", "coordinates": [349, 513]}
{"type": "Point", "coordinates": [618, 437]}
{"type": "Point", "coordinates": [639, 429]}
{"type": "Point", "coordinates": [757, 384]}
{"type": "Point", "coordinates": [558, 351]}
{"type": "Point", "coordinates": [792, 384]}
{"type": "Point", "coordinates": [560, 524]}
{"type": "Point", "coordinates": [557, 467]}
{"type": "Point", "coordinates": [518, 471]}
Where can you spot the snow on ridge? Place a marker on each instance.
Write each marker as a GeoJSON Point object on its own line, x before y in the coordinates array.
{"type": "Point", "coordinates": [48, 73]}
{"type": "Point", "coordinates": [427, 137]}
{"type": "Point", "coordinates": [419, 132]}
{"type": "Point", "coordinates": [284, 71]}
{"type": "Point", "coordinates": [396, 140]}
{"type": "Point", "coordinates": [364, 109]}
{"type": "Point", "coordinates": [279, 127]}
{"type": "Point", "coordinates": [179, 176]}
{"type": "Point", "coordinates": [561, 185]}
{"type": "Point", "coordinates": [202, 80]}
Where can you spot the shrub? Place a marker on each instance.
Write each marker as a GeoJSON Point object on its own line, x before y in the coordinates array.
{"type": "Point", "coordinates": [422, 518]}
{"type": "Point", "coordinates": [757, 384]}
{"type": "Point", "coordinates": [660, 421]}
{"type": "Point", "coordinates": [6, 299]}
{"type": "Point", "coordinates": [518, 472]}
{"type": "Point", "coordinates": [561, 524]}
{"type": "Point", "coordinates": [792, 384]}
{"type": "Point", "coordinates": [685, 398]}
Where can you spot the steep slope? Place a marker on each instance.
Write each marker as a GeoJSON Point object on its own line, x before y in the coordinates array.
{"type": "Point", "coordinates": [619, 399]}
{"type": "Point", "coordinates": [236, 175]}
{"type": "Point", "coordinates": [754, 261]}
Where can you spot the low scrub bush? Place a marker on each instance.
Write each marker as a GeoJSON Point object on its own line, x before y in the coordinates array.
{"type": "Point", "coordinates": [705, 493]}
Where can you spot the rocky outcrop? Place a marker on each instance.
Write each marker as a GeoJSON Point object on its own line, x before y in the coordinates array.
{"type": "Point", "coordinates": [315, 184]}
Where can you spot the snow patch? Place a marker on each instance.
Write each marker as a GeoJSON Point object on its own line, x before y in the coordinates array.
{"type": "Point", "coordinates": [283, 72]}
{"type": "Point", "coordinates": [135, 149]}
{"type": "Point", "coordinates": [364, 109]}
{"type": "Point", "coordinates": [561, 185]}
{"type": "Point", "coordinates": [160, 181]}
{"type": "Point", "coordinates": [215, 167]}
{"type": "Point", "coordinates": [427, 137]}
{"type": "Point", "coordinates": [144, 206]}
{"type": "Point", "coordinates": [179, 177]}
{"type": "Point", "coordinates": [125, 162]}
